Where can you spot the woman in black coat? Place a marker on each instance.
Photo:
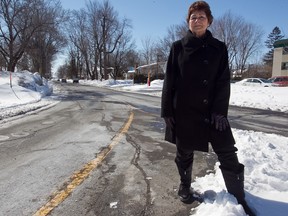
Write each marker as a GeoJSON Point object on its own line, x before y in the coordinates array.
{"type": "Point", "coordinates": [195, 100]}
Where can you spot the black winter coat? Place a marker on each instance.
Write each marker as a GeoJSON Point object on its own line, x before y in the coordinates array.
{"type": "Point", "coordinates": [196, 84]}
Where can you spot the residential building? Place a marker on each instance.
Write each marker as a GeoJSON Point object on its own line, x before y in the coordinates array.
{"type": "Point", "coordinates": [280, 58]}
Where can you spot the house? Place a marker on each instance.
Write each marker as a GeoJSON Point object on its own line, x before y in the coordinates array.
{"type": "Point", "coordinates": [156, 69]}
{"type": "Point", "coordinates": [280, 58]}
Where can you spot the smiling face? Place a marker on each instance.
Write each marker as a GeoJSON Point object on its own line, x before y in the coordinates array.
{"type": "Point", "coordinates": [198, 23]}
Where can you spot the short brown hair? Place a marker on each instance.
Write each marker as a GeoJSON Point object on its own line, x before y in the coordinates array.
{"type": "Point", "coordinates": [200, 6]}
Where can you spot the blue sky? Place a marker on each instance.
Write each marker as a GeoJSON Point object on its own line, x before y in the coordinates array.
{"type": "Point", "coordinates": [151, 18]}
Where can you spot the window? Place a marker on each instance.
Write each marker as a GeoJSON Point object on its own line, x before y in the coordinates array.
{"type": "Point", "coordinates": [256, 81]}
{"type": "Point", "coordinates": [284, 66]}
{"type": "Point", "coordinates": [285, 50]}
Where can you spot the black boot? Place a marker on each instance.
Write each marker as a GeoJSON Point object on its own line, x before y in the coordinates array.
{"type": "Point", "coordinates": [235, 185]}
{"type": "Point", "coordinates": [185, 191]}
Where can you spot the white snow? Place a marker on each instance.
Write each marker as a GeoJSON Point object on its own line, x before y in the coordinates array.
{"type": "Point", "coordinates": [21, 92]}
{"type": "Point", "coordinates": [264, 155]}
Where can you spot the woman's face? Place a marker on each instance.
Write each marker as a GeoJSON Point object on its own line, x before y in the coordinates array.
{"type": "Point", "coordinates": [198, 23]}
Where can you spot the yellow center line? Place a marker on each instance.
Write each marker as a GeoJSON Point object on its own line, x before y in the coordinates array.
{"type": "Point", "coordinates": [79, 176]}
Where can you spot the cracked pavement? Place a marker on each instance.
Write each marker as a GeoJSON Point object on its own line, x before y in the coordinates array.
{"type": "Point", "coordinates": [138, 177]}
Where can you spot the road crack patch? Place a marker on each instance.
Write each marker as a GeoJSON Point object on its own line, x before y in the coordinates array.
{"type": "Point", "coordinates": [135, 162]}
{"type": "Point", "coordinates": [79, 176]}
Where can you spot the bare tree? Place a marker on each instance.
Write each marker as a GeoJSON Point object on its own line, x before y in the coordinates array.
{"type": "Point", "coordinates": [94, 32]}
{"type": "Point", "coordinates": [225, 28]}
{"type": "Point", "coordinates": [62, 71]}
{"type": "Point", "coordinates": [2, 62]}
{"type": "Point", "coordinates": [242, 39]}
{"type": "Point", "coordinates": [11, 46]}
{"type": "Point", "coordinates": [47, 43]}
{"type": "Point", "coordinates": [82, 42]}
{"type": "Point", "coordinates": [174, 32]}
{"type": "Point", "coordinates": [118, 60]}
{"type": "Point", "coordinates": [112, 32]}
{"type": "Point", "coordinates": [100, 38]}
{"type": "Point", "coordinates": [148, 51]}
{"type": "Point", "coordinates": [107, 32]}
{"type": "Point", "coordinates": [20, 21]}
{"type": "Point", "coordinates": [248, 44]}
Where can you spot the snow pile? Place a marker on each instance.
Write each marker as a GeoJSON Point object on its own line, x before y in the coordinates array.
{"type": "Point", "coordinates": [22, 92]}
{"type": "Point", "coordinates": [266, 177]}
{"type": "Point", "coordinates": [267, 98]}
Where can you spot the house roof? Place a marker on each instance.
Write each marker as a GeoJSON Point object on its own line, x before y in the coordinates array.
{"type": "Point", "coordinates": [281, 43]}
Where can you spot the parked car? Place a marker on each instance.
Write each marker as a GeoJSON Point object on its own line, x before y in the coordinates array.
{"type": "Point", "coordinates": [75, 80]}
{"type": "Point", "coordinates": [279, 81]}
{"type": "Point", "coordinates": [255, 82]}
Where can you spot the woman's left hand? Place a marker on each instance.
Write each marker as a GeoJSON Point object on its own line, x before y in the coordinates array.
{"type": "Point", "coordinates": [220, 121]}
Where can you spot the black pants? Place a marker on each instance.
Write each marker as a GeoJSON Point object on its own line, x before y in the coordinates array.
{"type": "Point", "coordinates": [227, 157]}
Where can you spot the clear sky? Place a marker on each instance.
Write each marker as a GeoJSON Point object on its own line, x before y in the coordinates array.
{"type": "Point", "coordinates": [151, 18]}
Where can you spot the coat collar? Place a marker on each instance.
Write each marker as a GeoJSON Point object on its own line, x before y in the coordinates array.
{"type": "Point", "coordinates": [191, 43]}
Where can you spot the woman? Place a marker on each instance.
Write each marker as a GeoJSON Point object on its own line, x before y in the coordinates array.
{"type": "Point", "coordinates": [195, 100]}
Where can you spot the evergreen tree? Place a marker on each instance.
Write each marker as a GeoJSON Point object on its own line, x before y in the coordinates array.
{"type": "Point", "coordinates": [275, 35]}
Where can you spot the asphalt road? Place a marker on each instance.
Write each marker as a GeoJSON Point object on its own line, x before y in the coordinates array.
{"type": "Point", "coordinates": [101, 152]}
{"type": "Point", "coordinates": [259, 120]}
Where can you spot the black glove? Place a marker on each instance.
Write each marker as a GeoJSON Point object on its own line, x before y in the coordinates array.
{"type": "Point", "coordinates": [170, 122]}
{"type": "Point", "coordinates": [220, 121]}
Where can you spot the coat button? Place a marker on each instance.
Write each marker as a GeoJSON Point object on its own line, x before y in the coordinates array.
{"type": "Point", "coordinates": [205, 101]}
{"type": "Point", "coordinates": [205, 82]}
{"type": "Point", "coordinates": [205, 62]}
